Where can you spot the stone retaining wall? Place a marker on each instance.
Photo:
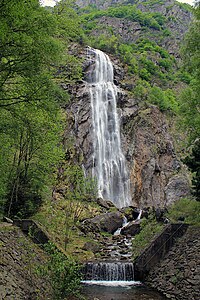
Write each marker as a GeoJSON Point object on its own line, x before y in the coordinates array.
{"type": "Point", "coordinates": [19, 259]}
{"type": "Point", "coordinates": [177, 276]}
{"type": "Point", "coordinates": [157, 249]}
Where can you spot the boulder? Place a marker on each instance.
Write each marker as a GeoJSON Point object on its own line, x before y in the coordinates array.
{"type": "Point", "coordinates": [131, 213]}
{"type": "Point", "coordinates": [91, 246]}
{"type": "Point", "coordinates": [108, 222]}
{"type": "Point", "coordinates": [131, 228]}
{"type": "Point", "coordinates": [105, 203]}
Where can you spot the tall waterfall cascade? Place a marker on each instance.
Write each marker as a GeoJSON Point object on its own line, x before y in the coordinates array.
{"type": "Point", "coordinates": [109, 162]}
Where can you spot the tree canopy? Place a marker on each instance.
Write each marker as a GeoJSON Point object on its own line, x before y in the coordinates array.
{"type": "Point", "coordinates": [31, 124]}
{"type": "Point", "coordinates": [190, 99]}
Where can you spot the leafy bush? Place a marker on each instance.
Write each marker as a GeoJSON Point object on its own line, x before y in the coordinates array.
{"type": "Point", "coordinates": [62, 272]}
{"type": "Point", "coordinates": [184, 77]}
{"type": "Point", "coordinates": [165, 63]}
{"type": "Point", "coordinates": [193, 162]}
{"type": "Point", "coordinates": [141, 90]}
{"type": "Point", "coordinates": [107, 43]}
{"type": "Point", "coordinates": [164, 99]}
{"type": "Point", "coordinates": [144, 74]}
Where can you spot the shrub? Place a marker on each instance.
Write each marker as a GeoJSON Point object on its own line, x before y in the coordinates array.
{"type": "Point", "coordinates": [149, 228]}
{"type": "Point", "coordinates": [186, 208]}
{"type": "Point", "coordinates": [164, 99]}
{"type": "Point", "coordinates": [62, 272]}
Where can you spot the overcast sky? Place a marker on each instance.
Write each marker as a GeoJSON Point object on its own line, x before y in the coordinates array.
{"type": "Point", "coordinates": [52, 3]}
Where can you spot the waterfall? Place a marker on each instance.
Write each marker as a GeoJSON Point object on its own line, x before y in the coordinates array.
{"type": "Point", "coordinates": [109, 271]}
{"type": "Point", "coordinates": [109, 161]}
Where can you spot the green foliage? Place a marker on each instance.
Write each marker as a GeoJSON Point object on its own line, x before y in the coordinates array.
{"type": "Point", "coordinates": [189, 100]}
{"type": "Point", "coordinates": [34, 152]}
{"type": "Point", "coordinates": [141, 91]}
{"type": "Point", "coordinates": [68, 21]}
{"type": "Point", "coordinates": [189, 111]}
{"type": "Point", "coordinates": [184, 76]}
{"type": "Point", "coordinates": [62, 272]}
{"type": "Point", "coordinates": [71, 71]}
{"type": "Point", "coordinates": [144, 74]}
{"type": "Point", "coordinates": [78, 186]}
{"type": "Point", "coordinates": [27, 49]}
{"type": "Point", "coordinates": [149, 228]}
{"type": "Point", "coordinates": [185, 6]}
{"type": "Point", "coordinates": [108, 43]}
{"type": "Point", "coordinates": [130, 12]}
{"type": "Point", "coordinates": [31, 122]}
{"type": "Point", "coordinates": [186, 208]}
{"type": "Point", "coordinates": [152, 3]}
{"type": "Point", "coordinates": [166, 100]}
{"type": "Point", "coordinates": [74, 202]}
{"type": "Point", "coordinates": [165, 63]}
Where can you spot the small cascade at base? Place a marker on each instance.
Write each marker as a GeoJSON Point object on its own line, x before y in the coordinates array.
{"type": "Point", "coordinates": [112, 273]}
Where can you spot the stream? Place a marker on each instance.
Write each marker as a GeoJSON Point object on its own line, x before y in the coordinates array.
{"type": "Point", "coordinates": [133, 292]}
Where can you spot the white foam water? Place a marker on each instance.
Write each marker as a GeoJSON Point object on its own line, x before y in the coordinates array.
{"type": "Point", "coordinates": [112, 283]}
{"type": "Point", "coordinates": [109, 162]}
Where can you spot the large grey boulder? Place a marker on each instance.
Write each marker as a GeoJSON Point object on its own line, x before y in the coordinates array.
{"type": "Point", "coordinates": [108, 222]}
{"type": "Point", "coordinates": [131, 228]}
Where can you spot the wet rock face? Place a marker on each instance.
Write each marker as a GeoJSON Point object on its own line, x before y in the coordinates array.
{"type": "Point", "coordinates": [132, 228]}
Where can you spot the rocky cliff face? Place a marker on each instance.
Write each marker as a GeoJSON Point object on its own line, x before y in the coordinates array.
{"type": "Point", "coordinates": [157, 177]}
{"type": "Point", "coordinates": [156, 174]}
{"type": "Point", "coordinates": [174, 23]}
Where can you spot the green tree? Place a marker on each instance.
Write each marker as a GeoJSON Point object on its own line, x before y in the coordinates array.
{"type": "Point", "coordinates": [33, 133]}
{"type": "Point", "coordinates": [62, 272]}
{"type": "Point", "coordinates": [68, 21]}
{"type": "Point", "coordinates": [27, 50]}
{"type": "Point", "coordinates": [190, 98]}
{"type": "Point", "coordinates": [31, 122]}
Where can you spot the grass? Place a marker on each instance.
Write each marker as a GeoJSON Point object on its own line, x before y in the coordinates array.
{"type": "Point", "coordinates": [186, 208]}
{"type": "Point", "coordinates": [149, 229]}
{"type": "Point", "coordinates": [60, 217]}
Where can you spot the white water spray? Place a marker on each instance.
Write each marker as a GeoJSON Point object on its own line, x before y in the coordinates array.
{"type": "Point", "coordinates": [109, 161]}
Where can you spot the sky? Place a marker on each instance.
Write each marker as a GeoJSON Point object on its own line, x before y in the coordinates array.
{"type": "Point", "coordinates": [52, 2]}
